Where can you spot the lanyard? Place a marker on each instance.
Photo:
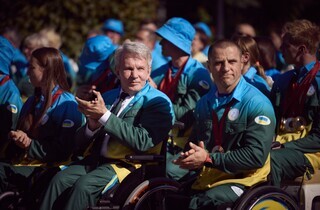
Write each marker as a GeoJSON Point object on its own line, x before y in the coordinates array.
{"type": "Point", "coordinates": [4, 80]}
{"type": "Point", "coordinates": [106, 81]}
{"type": "Point", "coordinates": [169, 85]}
{"type": "Point", "coordinates": [293, 104]}
{"type": "Point", "coordinates": [217, 127]}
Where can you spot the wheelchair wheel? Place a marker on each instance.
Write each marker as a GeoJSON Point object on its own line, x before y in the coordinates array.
{"type": "Point", "coordinates": [266, 197]}
{"type": "Point", "coordinates": [9, 200]}
{"type": "Point", "coordinates": [150, 194]}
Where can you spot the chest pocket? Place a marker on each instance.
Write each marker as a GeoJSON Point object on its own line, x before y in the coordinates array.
{"type": "Point", "coordinates": [233, 134]}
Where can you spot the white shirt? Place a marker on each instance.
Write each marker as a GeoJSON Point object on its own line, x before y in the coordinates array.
{"type": "Point", "coordinates": [104, 120]}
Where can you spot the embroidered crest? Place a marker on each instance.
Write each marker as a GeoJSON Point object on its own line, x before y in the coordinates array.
{"type": "Point", "coordinates": [12, 108]}
{"type": "Point", "coordinates": [262, 120]}
{"type": "Point", "coordinates": [67, 123]}
{"type": "Point", "coordinates": [233, 114]}
{"type": "Point", "coordinates": [204, 84]}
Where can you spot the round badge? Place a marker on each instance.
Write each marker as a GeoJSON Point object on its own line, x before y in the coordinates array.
{"type": "Point", "coordinates": [311, 90]}
{"type": "Point", "coordinates": [233, 114]}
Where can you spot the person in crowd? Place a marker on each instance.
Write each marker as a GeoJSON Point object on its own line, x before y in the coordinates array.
{"type": "Point", "coordinates": [133, 119]}
{"type": "Point", "coordinates": [244, 29]}
{"type": "Point", "coordinates": [30, 43]}
{"type": "Point", "coordinates": [205, 36]}
{"type": "Point", "coordinates": [252, 70]}
{"type": "Point", "coordinates": [20, 62]}
{"type": "Point", "coordinates": [96, 68]}
{"type": "Point", "coordinates": [47, 123]}
{"type": "Point", "coordinates": [231, 138]}
{"type": "Point", "coordinates": [114, 29]}
{"type": "Point", "coordinates": [267, 52]}
{"type": "Point", "coordinates": [55, 41]}
{"type": "Point", "coordinates": [275, 34]}
{"type": "Point", "coordinates": [196, 49]}
{"type": "Point", "coordinates": [295, 97]}
{"type": "Point", "coordinates": [183, 79]}
{"type": "Point", "coordinates": [149, 38]}
{"type": "Point", "coordinates": [10, 100]}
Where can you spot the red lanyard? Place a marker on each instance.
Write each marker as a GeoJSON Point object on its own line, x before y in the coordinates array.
{"type": "Point", "coordinates": [4, 80]}
{"type": "Point", "coordinates": [217, 126]}
{"type": "Point", "coordinates": [56, 95]}
{"type": "Point", "coordinates": [296, 95]}
{"type": "Point", "coordinates": [106, 81]}
{"type": "Point", "coordinates": [169, 85]}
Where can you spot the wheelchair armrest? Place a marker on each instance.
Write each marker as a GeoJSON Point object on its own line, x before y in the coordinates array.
{"type": "Point", "coordinates": [145, 158]}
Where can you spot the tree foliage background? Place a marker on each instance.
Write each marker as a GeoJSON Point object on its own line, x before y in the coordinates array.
{"type": "Point", "coordinates": [73, 19]}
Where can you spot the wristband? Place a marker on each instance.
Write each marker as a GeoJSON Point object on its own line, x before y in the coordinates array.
{"type": "Point", "coordinates": [208, 161]}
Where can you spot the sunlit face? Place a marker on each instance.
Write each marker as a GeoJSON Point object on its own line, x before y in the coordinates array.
{"type": "Point", "coordinates": [133, 73]}
{"type": "Point", "coordinates": [225, 67]}
{"type": "Point", "coordinates": [35, 73]}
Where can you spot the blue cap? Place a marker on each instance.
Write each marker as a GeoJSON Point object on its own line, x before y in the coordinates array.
{"type": "Point", "coordinates": [179, 32]}
{"type": "Point", "coordinates": [203, 27]}
{"type": "Point", "coordinates": [7, 52]}
{"type": "Point", "coordinates": [113, 25]}
{"type": "Point", "coordinates": [95, 53]}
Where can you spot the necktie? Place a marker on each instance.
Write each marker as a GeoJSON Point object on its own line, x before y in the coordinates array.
{"type": "Point", "coordinates": [117, 106]}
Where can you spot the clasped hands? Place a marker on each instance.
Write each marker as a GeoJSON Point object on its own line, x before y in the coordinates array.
{"type": "Point", "coordinates": [193, 158]}
{"type": "Point", "coordinates": [93, 109]}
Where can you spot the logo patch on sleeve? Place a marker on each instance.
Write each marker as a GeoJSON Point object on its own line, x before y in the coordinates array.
{"type": "Point", "coordinates": [12, 108]}
{"type": "Point", "coordinates": [67, 123]}
{"type": "Point", "coordinates": [204, 84]}
{"type": "Point", "coordinates": [262, 120]}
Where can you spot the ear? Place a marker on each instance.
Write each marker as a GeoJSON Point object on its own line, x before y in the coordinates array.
{"type": "Point", "coordinates": [302, 49]}
{"type": "Point", "coordinates": [245, 57]}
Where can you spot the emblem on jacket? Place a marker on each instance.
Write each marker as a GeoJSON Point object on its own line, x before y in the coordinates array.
{"type": "Point", "coordinates": [233, 114]}
{"type": "Point", "coordinates": [67, 123]}
{"type": "Point", "coordinates": [262, 120]}
{"type": "Point", "coordinates": [12, 108]}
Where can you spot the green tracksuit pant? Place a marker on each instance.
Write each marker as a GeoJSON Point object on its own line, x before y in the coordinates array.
{"type": "Point", "coordinates": [75, 188]}
{"type": "Point", "coordinates": [287, 164]}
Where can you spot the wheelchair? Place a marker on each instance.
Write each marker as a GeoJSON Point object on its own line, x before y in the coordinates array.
{"type": "Point", "coordinates": [28, 196]}
{"type": "Point", "coordinates": [147, 188]}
